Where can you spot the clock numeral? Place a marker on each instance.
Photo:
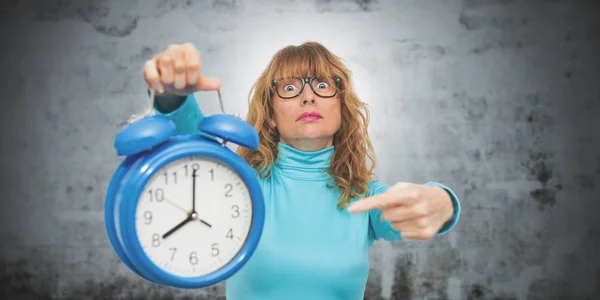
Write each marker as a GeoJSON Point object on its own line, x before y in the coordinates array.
{"type": "Point", "coordinates": [236, 211]}
{"type": "Point", "coordinates": [147, 217]}
{"type": "Point", "coordinates": [212, 174]}
{"type": "Point", "coordinates": [158, 195]}
{"type": "Point", "coordinates": [166, 175]}
{"type": "Point", "coordinates": [214, 250]}
{"type": "Point", "coordinates": [229, 234]}
{"type": "Point", "coordinates": [173, 255]}
{"type": "Point", "coordinates": [155, 240]}
{"type": "Point", "coordinates": [195, 166]}
{"type": "Point", "coordinates": [228, 187]}
{"type": "Point", "coordinates": [193, 258]}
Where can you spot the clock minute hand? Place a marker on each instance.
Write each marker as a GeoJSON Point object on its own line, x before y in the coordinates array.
{"type": "Point", "coordinates": [194, 191]}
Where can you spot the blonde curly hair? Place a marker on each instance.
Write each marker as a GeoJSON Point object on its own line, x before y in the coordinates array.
{"type": "Point", "coordinates": [352, 145]}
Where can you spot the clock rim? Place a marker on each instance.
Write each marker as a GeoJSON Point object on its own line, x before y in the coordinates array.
{"type": "Point", "coordinates": [110, 221]}
{"type": "Point", "coordinates": [136, 180]}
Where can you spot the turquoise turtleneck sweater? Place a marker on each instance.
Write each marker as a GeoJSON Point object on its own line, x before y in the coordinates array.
{"type": "Point", "coordinates": [309, 248]}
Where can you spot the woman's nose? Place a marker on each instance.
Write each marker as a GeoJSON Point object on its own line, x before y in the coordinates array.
{"type": "Point", "coordinates": [308, 97]}
{"type": "Point", "coordinates": [310, 100]}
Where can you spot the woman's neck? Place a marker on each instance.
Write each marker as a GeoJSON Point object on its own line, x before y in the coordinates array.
{"type": "Point", "coordinates": [308, 144]}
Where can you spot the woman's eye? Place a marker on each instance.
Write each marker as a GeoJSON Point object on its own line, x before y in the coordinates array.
{"type": "Point", "coordinates": [323, 85]}
{"type": "Point", "coordinates": [289, 88]}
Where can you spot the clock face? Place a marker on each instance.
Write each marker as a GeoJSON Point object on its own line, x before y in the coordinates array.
{"type": "Point", "coordinates": [193, 216]}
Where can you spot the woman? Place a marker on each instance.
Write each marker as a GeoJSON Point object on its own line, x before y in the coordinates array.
{"type": "Point", "coordinates": [312, 164]}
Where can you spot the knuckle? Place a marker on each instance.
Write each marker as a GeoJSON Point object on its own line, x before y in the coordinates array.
{"type": "Point", "coordinates": [179, 66]}
{"type": "Point", "coordinates": [415, 194]}
{"type": "Point", "coordinates": [428, 232]}
{"type": "Point", "coordinates": [422, 223]}
{"type": "Point", "coordinates": [195, 66]}
{"type": "Point", "coordinates": [147, 70]}
{"type": "Point", "coordinates": [167, 78]}
{"type": "Point", "coordinates": [172, 47]}
{"type": "Point", "coordinates": [189, 46]}
{"type": "Point", "coordinates": [166, 59]}
{"type": "Point", "coordinates": [419, 211]}
{"type": "Point", "coordinates": [421, 235]}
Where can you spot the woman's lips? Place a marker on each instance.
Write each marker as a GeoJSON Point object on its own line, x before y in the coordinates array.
{"type": "Point", "coordinates": [309, 116]}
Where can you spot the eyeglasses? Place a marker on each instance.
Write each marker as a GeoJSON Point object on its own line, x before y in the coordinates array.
{"type": "Point", "coordinates": [291, 87]}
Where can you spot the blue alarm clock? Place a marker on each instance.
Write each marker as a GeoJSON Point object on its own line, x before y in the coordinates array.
{"type": "Point", "coordinates": [184, 210]}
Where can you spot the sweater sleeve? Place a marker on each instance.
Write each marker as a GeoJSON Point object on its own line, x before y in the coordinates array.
{"type": "Point", "coordinates": [380, 229]}
{"type": "Point", "coordinates": [183, 111]}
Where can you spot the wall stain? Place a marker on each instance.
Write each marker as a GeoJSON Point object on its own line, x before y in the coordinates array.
{"type": "Point", "coordinates": [373, 288]}
{"type": "Point", "coordinates": [403, 278]}
{"type": "Point", "coordinates": [346, 5]}
{"type": "Point", "coordinates": [499, 44]}
{"type": "Point", "coordinates": [533, 113]}
{"type": "Point", "coordinates": [409, 52]}
{"type": "Point", "coordinates": [174, 4]}
{"type": "Point", "coordinates": [502, 23]}
{"type": "Point", "coordinates": [474, 108]}
{"type": "Point", "coordinates": [544, 196]}
{"type": "Point", "coordinates": [117, 31]}
{"type": "Point", "coordinates": [21, 280]}
{"type": "Point", "coordinates": [480, 291]}
{"type": "Point", "coordinates": [225, 4]}
{"type": "Point", "coordinates": [477, 291]}
{"type": "Point", "coordinates": [549, 289]}
{"type": "Point", "coordinates": [538, 169]}
{"type": "Point", "coordinates": [25, 279]}
{"type": "Point", "coordinates": [95, 13]}
{"type": "Point", "coordinates": [365, 5]}
{"type": "Point", "coordinates": [586, 182]}
{"type": "Point", "coordinates": [485, 3]}
{"type": "Point", "coordinates": [541, 172]}
{"type": "Point", "coordinates": [120, 287]}
{"type": "Point", "coordinates": [538, 122]}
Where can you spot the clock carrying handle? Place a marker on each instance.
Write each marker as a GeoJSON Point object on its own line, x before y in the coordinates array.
{"type": "Point", "coordinates": [150, 110]}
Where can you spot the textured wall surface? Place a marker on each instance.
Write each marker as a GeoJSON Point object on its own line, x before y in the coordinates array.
{"type": "Point", "coordinates": [498, 99]}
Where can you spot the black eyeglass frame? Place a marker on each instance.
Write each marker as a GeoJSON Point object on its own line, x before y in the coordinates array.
{"type": "Point", "coordinates": [309, 80]}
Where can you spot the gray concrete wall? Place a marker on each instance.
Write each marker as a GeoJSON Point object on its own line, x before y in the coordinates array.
{"type": "Point", "coordinates": [498, 99]}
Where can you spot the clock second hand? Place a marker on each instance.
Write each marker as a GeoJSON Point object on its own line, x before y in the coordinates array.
{"type": "Point", "coordinates": [172, 203]}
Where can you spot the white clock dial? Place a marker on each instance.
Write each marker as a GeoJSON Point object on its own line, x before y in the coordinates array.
{"type": "Point", "coordinates": [206, 240]}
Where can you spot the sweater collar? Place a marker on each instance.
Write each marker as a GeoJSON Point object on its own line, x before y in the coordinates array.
{"type": "Point", "coordinates": [307, 165]}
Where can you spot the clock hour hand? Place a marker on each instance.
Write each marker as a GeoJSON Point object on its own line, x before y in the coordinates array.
{"type": "Point", "coordinates": [188, 219]}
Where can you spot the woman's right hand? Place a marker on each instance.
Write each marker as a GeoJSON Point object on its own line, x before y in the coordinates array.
{"type": "Point", "coordinates": [176, 71]}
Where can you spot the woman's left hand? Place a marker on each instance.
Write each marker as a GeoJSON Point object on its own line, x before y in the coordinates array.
{"type": "Point", "coordinates": [417, 211]}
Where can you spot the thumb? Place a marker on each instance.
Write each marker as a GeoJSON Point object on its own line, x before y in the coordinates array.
{"type": "Point", "coordinates": [208, 84]}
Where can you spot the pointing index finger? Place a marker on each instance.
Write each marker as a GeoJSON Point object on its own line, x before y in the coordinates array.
{"type": "Point", "coordinates": [369, 203]}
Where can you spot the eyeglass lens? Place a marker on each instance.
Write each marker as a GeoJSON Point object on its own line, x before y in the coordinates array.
{"type": "Point", "coordinates": [290, 87]}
